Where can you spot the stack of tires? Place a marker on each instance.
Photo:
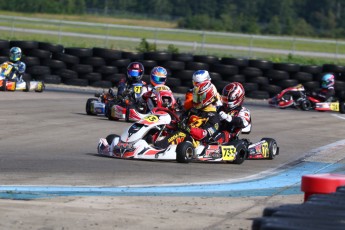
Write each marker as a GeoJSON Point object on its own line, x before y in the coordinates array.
{"type": "Point", "coordinates": [320, 211]}
{"type": "Point", "coordinates": [102, 67]}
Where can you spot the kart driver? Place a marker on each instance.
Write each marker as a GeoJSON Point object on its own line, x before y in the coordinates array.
{"type": "Point", "coordinates": [200, 123]}
{"type": "Point", "coordinates": [135, 72]}
{"type": "Point", "coordinates": [158, 76]}
{"type": "Point", "coordinates": [235, 117]}
{"type": "Point", "coordinates": [327, 92]}
{"type": "Point", "coordinates": [18, 66]}
{"type": "Point", "coordinates": [199, 77]}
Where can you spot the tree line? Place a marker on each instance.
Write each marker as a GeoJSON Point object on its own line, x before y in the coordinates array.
{"type": "Point", "coordinates": [321, 18]}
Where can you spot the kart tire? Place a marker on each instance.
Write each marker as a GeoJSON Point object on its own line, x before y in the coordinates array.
{"type": "Point", "coordinates": [306, 105]}
{"type": "Point", "coordinates": [3, 86]}
{"type": "Point", "coordinates": [184, 152]}
{"type": "Point", "coordinates": [41, 88]}
{"type": "Point", "coordinates": [241, 149]}
{"type": "Point", "coordinates": [272, 147]}
{"type": "Point", "coordinates": [27, 86]}
{"type": "Point", "coordinates": [108, 111]}
{"type": "Point", "coordinates": [342, 106]}
{"type": "Point", "coordinates": [88, 106]}
{"type": "Point", "coordinates": [111, 137]}
{"type": "Point", "coordinates": [127, 114]}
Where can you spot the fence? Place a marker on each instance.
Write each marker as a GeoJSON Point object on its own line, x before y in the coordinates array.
{"type": "Point", "coordinates": [88, 34]}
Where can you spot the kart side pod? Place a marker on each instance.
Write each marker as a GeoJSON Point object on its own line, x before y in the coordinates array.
{"type": "Point", "coordinates": [235, 152]}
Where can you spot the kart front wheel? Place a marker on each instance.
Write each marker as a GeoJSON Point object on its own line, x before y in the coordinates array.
{"type": "Point", "coordinates": [272, 147]}
{"type": "Point", "coordinates": [111, 137]}
{"type": "Point", "coordinates": [184, 152]}
{"type": "Point", "coordinates": [88, 106]}
{"type": "Point", "coordinates": [306, 105]}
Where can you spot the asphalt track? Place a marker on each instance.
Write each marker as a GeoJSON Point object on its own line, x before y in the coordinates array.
{"type": "Point", "coordinates": [48, 156]}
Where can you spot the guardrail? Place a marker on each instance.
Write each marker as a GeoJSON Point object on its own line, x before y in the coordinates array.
{"type": "Point", "coordinates": [198, 42]}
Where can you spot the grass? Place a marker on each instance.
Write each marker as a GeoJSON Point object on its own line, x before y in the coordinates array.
{"type": "Point", "coordinates": [105, 30]}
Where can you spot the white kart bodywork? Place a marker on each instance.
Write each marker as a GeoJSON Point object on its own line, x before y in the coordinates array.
{"type": "Point", "coordinates": [131, 141]}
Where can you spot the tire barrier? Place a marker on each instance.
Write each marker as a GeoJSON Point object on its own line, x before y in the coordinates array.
{"type": "Point", "coordinates": [323, 207]}
{"type": "Point", "coordinates": [102, 67]}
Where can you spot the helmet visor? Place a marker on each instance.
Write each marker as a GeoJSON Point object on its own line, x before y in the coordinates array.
{"type": "Point", "coordinates": [134, 73]}
{"type": "Point", "coordinates": [158, 79]}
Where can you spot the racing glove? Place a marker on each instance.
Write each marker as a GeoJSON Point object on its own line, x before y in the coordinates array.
{"type": "Point", "coordinates": [198, 134]}
{"type": "Point", "coordinates": [225, 116]}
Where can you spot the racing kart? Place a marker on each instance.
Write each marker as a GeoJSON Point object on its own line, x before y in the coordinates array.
{"type": "Point", "coordinates": [131, 108]}
{"type": "Point", "coordinates": [9, 82]}
{"type": "Point", "coordinates": [97, 105]}
{"type": "Point", "coordinates": [294, 97]}
{"type": "Point", "coordinates": [138, 142]}
{"type": "Point", "coordinates": [297, 97]}
{"type": "Point", "coordinates": [332, 105]}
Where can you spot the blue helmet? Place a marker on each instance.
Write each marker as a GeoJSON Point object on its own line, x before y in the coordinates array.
{"type": "Point", "coordinates": [327, 81]}
{"type": "Point", "coordinates": [135, 71]}
{"type": "Point", "coordinates": [15, 54]}
{"type": "Point", "coordinates": [158, 76]}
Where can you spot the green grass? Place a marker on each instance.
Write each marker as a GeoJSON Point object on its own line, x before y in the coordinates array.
{"type": "Point", "coordinates": [196, 37]}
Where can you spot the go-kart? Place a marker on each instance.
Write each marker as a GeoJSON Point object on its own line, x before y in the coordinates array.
{"type": "Point", "coordinates": [332, 105]}
{"type": "Point", "coordinates": [297, 97]}
{"type": "Point", "coordinates": [9, 80]}
{"type": "Point", "coordinates": [294, 96]}
{"type": "Point", "coordinates": [130, 107]}
{"type": "Point", "coordinates": [97, 105]}
{"type": "Point", "coordinates": [138, 142]}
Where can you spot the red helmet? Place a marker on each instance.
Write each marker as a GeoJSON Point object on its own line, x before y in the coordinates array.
{"type": "Point", "coordinates": [204, 95]}
{"type": "Point", "coordinates": [233, 95]}
{"type": "Point", "coordinates": [135, 71]}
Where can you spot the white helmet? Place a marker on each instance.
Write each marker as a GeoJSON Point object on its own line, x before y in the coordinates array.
{"type": "Point", "coordinates": [201, 76]}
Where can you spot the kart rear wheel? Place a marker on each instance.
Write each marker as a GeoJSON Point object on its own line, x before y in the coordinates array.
{"type": "Point", "coordinates": [27, 86]}
{"type": "Point", "coordinates": [127, 113]}
{"type": "Point", "coordinates": [111, 137]}
{"type": "Point", "coordinates": [272, 147]}
{"type": "Point", "coordinates": [88, 106]}
{"type": "Point", "coordinates": [184, 152]}
{"type": "Point", "coordinates": [40, 87]}
{"type": "Point", "coordinates": [3, 86]}
{"type": "Point", "coordinates": [342, 106]}
{"type": "Point", "coordinates": [241, 150]}
{"type": "Point", "coordinates": [241, 147]}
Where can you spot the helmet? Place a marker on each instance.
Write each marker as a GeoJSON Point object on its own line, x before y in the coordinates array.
{"type": "Point", "coordinates": [327, 81]}
{"type": "Point", "coordinates": [158, 76]}
{"type": "Point", "coordinates": [15, 54]}
{"type": "Point", "coordinates": [204, 95]}
{"type": "Point", "coordinates": [233, 95]}
{"type": "Point", "coordinates": [201, 76]}
{"type": "Point", "coordinates": [135, 71]}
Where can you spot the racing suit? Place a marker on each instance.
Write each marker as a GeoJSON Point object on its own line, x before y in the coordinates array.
{"type": "Point", "coordinates": [16, 72]}
{"type": "Point", "coordinates": [231, 127]}
{"type": "Point", "coordinates": [146, 96]}
{"type": "Point", "coordinates": [123, 85]}
{"type": "Point", "coordinates": [195, 126]}
{"type": "Point", "coordinates": [188, 103]}
{"type": "Point", "coordinates": [324, 95]}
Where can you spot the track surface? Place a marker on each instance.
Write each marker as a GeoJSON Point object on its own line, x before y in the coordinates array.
{"type": "Point", "coordinates": [47, 139]}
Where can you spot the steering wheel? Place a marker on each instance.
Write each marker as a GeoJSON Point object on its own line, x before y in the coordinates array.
{"type": "Point", "coordinates": [175, 118]}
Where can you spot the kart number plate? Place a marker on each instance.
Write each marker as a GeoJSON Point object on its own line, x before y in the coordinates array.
{"type": "Point", "coordinates": [265, 150]}
{"type": "Point", "coordinates": [334, 106]}
{"type": "Point", "coordinates": [151, 118]}
{"type": "Point", "coordinates": [228, 153]}
{"type": "Point", "coordinates": [137, 89]}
